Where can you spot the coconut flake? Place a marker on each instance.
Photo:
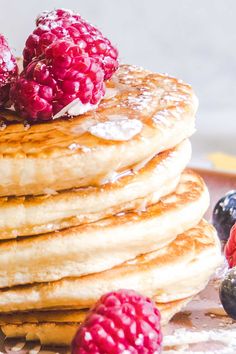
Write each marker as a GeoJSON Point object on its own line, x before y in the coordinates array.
{"type": "Point", "coordinates": [75, 108]}
{"type": "Point", "coordinates": [110, 93]}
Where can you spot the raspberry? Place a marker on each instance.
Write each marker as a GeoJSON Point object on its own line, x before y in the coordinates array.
{"type": "Point", "coordinates": [8, 70]}
{"type": "Point", "coordinates": [230, 248]}
{"type": "Point", "coordinates": [64, 74]}
{"type": "Point", "coordinates": [121, 322]}
{"type": "Point", "coordinates": [61, 24]}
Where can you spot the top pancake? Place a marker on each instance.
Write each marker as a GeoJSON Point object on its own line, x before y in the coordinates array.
{"type": "Point", "coordinates": [143, 114]}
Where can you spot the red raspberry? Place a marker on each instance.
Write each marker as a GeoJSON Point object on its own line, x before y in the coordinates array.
{"type": "Point", "coordinates": [8, 70]}
{"type": "Point", "coordinates": [59, 24]}
{"type": "Point", "coordinates": [121, 322]}
{"type": "Point", "coordinates": [230, 248]}
{"type": "Point", "coordinates": [61, 76]}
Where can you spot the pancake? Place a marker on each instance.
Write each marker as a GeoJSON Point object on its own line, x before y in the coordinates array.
{"type": "Point", "coordinates": [178, 270]}
{"type": "Point", "coordinates": [101, 245]}
{"type": "Point", "coordinates": [131, 190]}
{"type": "Point", "coordinates": [142, 114]}
{"type": "Point", "coordinates": [59, 328]}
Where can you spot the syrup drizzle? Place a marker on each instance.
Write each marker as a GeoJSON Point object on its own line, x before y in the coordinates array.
{"type": "Point", "coordinates": [155, 100]}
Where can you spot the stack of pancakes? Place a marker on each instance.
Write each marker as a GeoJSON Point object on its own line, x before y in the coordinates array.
{"type": "Point", "coordinates": [101, 202]}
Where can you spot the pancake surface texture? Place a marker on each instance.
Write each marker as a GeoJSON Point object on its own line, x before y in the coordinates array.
{"type": "Point", "coordinates": [169, 274]}
{"type": "Point", "coordinates": [136, 188]}
{"type": "Point", "coordinates": [143, 114]}
{"type": "Point", "coordinates": [101, 245]}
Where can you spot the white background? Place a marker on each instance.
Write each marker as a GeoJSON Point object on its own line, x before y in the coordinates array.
{"type": "Point", "coordinates": [192, 39]}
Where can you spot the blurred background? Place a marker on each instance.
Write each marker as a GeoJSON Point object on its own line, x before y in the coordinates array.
{"type": "Point", "coordinates": [193, 40]}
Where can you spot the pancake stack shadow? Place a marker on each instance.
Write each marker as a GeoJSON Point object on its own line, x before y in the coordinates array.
{"type": "Point", "coordinates": [102, 202]}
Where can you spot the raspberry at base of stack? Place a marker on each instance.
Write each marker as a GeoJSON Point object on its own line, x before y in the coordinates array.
{"type": "Point", "coordinates": [121, 321]}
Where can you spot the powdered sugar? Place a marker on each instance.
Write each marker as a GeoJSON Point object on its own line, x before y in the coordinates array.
{"type": "Point", "coordinates": [183, 336]}
{"type": "Point", "coordinates": [118, 128]}
{"type": "Point", "coordinates": [187, 337]}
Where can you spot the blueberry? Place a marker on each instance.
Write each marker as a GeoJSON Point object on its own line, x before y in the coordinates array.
{"type": "Point", "coordinates": [224, 215]}
{"type": "Point", "coordinates": [228, 293]}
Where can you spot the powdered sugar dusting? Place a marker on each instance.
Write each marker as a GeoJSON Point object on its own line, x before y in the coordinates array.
{"type": "Point", "coordinates": [118, 128]}
{"type": "Point", "coordinates": [183, 336]}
